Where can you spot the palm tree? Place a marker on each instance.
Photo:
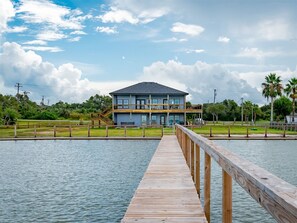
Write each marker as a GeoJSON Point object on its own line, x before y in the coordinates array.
{"type": "Point", "coordinates": [291, 90]}
{"type": "Point", "coordinates": [271, 89]}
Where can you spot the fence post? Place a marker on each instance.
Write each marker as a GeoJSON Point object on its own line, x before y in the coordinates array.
{"type": "Point", "coordinates": [197, 167]}
{"type": "Point", "coordinates": [227, 197]}
{"type": "Point", "coordinates": [35, 131]}
{"type": "Point", "coordinates": [265, 131]}
{"type": "Point", "coordinates": [15, 131]}
{"type": "Point", "coordinates": [210, 132]}
{"type": "Point", "coordinates": [229, 131]}
{"type": "Point", "coordinates": [89, 131]}
{"type": "Point", "coordinates": [284, 134]}
{"type": "Point", "coordinates": [247, 132]}
{"type": "Point", "coordinates": [207, 169]}
{"type": "Point", "coordinates": [54, 131]}
{"type": "Point", "coordinates": [106, 131]}
{"type": "Point", "coordinates": [162, 133]}
{"type": "Point", "coordinates": [192, 158]}
{"type": "Point", "coordinates": [70, 131]}
{"type": "Point", "coordinates": [125, 131]}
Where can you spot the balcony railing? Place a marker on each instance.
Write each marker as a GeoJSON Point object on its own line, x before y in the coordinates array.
{"type": "Point", "coordinates": [157, 107]}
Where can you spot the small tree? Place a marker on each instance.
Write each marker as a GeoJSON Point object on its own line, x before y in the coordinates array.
{"type": "Point", "coordinates": [9, 116]}
{"type": "Point", "coordinates": [216, 110]}
{"type": "Point", "coordinates": [291, 90]}
{"type": "Point", "coordinates": [282, 107]}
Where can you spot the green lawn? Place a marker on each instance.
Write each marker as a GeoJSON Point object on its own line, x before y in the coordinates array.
{"type": "Point", "coordinates": [26, 128]}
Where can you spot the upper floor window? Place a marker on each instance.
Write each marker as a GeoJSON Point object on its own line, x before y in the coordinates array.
{"type": "Point", "coordinates": [123, 103]}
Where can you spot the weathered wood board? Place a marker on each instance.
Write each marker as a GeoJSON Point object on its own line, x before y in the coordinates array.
{"type": "Point", "coordinates": [167, 192]}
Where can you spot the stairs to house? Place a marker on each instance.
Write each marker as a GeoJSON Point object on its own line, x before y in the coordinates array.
{"type": "Point", "coordinates": [102, 117]}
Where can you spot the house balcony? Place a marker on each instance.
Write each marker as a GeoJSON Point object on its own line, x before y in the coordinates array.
{"type": "Point", "coordinates": [156, 108]}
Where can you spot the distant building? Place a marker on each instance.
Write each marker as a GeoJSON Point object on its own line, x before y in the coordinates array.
{"type": "Point", "coordinates": [150, 103]}
{"type": "Point", "coordinates": [290, 118]}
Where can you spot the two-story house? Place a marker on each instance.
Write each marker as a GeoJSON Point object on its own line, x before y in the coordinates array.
{"type": "Point", "coordinates": [150, 103]}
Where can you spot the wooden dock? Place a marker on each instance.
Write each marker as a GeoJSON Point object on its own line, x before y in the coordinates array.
{"type": "Point", "coordinates": [167, 192]}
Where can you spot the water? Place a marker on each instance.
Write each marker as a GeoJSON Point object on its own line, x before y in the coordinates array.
{"type": "Point", "coordinates": [70, 181]}
{"type": "Point", "coordinates": [278, 157]}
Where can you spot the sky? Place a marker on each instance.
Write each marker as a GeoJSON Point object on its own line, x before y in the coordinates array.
{"type": "Point", "coordinates": [71, 50]}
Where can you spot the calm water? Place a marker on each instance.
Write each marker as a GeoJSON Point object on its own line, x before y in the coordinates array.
{"type": "Point", "coordinates": [278, 157]}
{"type": "Point", "coordinates": [70, 181]}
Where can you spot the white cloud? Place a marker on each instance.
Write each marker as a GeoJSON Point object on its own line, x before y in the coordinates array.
{"type": "Point", "coordinates": [57, 83]}
{"type": "Point", "coordinates": [118, 16]}
{"type": "Point", "coordinates": [189, 29]}
{"type": "Point", "coordinates": [199, 79]}
{"type": "Point", "coordinates": [51, 35]}
{"type": "Point", "coordinates": [105, 29]}
{"type": "Point", "coordinates": [78, 32]}
{"type": "Point", "coordinates": [168, 40]}
{"type": "Point", "coordinates": [43, 48]}
{"type": "Point", "coordinates": [46, 12]}
{"type": "Point", "coordinates": [75, 39]}
{"type": "Point", "coordinates": [7, 12]}
{"type": "Point", "coordinates": [134, 11]}
{"type": "Point", "coordinates": [256, 53]}
{"type": "Point", "coordinates": [223, 39]}
{"type": "Point", "coordinates": [36, 42]}
{"type": "Point", "coordinates": [17, 29]}
{"type": "Point", "coordinates": [194, 51]}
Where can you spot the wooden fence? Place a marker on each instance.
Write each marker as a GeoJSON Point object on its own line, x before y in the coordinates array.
{"type": "Point", "coordinates": [278, 197]}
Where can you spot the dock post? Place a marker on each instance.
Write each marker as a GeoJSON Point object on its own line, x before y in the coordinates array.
{"type": "Point", "coordinates": [284, 134]}
{"type": "Point", "coordinates": [143, 132]}
{"type": "Point", "coordinates": [162, 133]}
{"type": "Point", "coordinates": [35, 131]}
{"type": "Point", "coordinates": [125, 131]}
{"type": "Point", "coordinates": [247, 132]}
{"type": "Point", "coordinates": [15, 131]}
{"type": "Point", "coordinates": [227, 197]}
{"type": "Point", "coordinates": [207, 171]}
{"type": "Point", "coordinates": [197, 168]}
{"type": "Point", "coordinates": [210, 132]}
{"type": "Point", "coordinates": [192, 158]}
{"type": "Point", "coordinates": [89, 131]}
{"type": "Point", "coordinates": [229, 131]}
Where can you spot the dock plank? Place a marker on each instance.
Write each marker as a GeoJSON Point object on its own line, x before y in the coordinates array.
{"type": "Point", "coordinates": [166, 192]}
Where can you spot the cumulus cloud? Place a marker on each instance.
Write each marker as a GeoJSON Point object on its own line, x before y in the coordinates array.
{"type": "Point", "coordinates": [64, 82]}
{"type": "Point", "coordinates": [17, 29]}
{"type": "Point", "coordinates": [168, 40]}
{"type": "Point", "coordinates": [74, 39]}
{"type": "Point", "coordinates": [199, 79]}
{"type": "Point", "coordinates": [78, 32]}
{"type": "Point", "coordinates": [223, 39]}
{"type": "Point", "coordinates": [189, 29]}
{"type": "Point", "coordinates": [194, 51]}
{"type": "Point", "coordinates": [118, 16]}
{"type": "Point", "coordinates": [106, 29]}
{"type": "Point", "coordinates": [7, 12]}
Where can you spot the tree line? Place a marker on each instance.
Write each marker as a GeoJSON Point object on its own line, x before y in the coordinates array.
{"type": "Point", "coordinates": [21, 107]}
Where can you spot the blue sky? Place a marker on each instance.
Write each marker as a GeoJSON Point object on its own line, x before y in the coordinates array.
{"type": "Point", "coordinates": [70, 50]}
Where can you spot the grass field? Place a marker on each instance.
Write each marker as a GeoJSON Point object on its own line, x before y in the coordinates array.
{"type": "Point", "coordinates": [26, 128]}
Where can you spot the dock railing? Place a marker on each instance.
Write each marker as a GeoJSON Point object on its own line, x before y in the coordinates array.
{"type": "Point", "coordinates": [278, 197]}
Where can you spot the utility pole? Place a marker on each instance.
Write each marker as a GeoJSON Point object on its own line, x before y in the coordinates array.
{"type": "Point", "coordinates": [42, 100]}
{"type": "Point", "coordinates": [214, 95]}
{"type": "Point", "coordinates": [18, 86]}
{"type": "Point", "coordinates": [241, 111]}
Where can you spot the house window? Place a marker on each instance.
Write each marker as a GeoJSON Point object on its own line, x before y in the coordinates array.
{"type": "Point", "coordinates": [123, 103]}
{"type": "Point", "coordinates": [174, 103]}
{"type": "Point", "coordinates": [154, 120]}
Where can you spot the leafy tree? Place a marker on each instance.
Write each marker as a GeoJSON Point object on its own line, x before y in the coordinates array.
{"type": "Point", "coordinates": [9, 116]}
{"type": "Point", "coordinates": [282, 107]}
{"type": "Point", "coordinates": [232, 110]}
{"type": "Point", "coordinates": [46, 115]}
{"type": "Point", "coordinates": [216, 110]}
{"type": "Point", "coordinates": [291, 91]}
{"type": "Point", "coordinates": [272, 88]}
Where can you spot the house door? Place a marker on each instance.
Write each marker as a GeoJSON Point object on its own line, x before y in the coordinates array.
{"type": "Point", "coordinates": [162, 120]}
{"type": "Point", "coordinates": [140, 103]}
{"type": "Point", "coordinates": [143, 119]}
{"type": "Point", "coordinates": [165, 102]}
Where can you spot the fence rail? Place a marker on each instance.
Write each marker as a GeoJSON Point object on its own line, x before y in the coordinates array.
{"type": "Point", "coordinates": [278, 197]}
